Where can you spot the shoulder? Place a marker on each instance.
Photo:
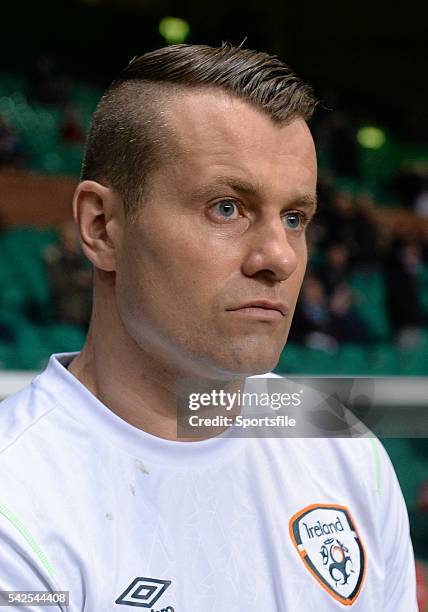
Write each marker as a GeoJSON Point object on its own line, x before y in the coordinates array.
{"type": "Point", "coordinates": [23, 410]}
{"type": "Point", "coordinates": [31, 422]}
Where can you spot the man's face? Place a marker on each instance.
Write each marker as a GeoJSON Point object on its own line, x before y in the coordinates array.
{"type": "Point", "coordinates": [218, 249]}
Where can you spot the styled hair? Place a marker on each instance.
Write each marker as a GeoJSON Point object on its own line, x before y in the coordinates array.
{"type": "Point", "coordinates": [129, 137]}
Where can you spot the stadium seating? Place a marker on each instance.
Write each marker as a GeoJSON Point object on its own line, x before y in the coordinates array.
{"type": "Point", "coordinates": [38, 126]}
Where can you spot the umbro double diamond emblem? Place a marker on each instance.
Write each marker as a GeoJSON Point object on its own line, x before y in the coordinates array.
{"type": "Point", "coordinates": [144, 593]}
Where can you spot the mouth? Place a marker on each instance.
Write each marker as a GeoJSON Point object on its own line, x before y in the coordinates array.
{"type": "Point", "coordinates": [262, 310]}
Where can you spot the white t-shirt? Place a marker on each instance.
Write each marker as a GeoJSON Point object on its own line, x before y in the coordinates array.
{"type": "Point", "coordinates": [125, 520]}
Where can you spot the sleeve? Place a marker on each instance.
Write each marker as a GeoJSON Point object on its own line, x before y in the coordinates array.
{"type": "Point", "coordinates": [400, 576]}
{"type": "Point", "coordinates": [22, 569]}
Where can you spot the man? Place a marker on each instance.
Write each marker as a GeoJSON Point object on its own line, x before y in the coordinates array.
{"type": "Point", "coordinates": [198, 184]}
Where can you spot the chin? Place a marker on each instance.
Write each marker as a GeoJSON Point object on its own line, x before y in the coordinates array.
{"type": "Point", "coordinates": [261, 368]}
{"type": "Point", "coordinates": [250, 364]}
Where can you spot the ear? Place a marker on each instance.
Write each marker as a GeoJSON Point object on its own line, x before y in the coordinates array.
{"type": "Point", "coordinates": [98, 213]}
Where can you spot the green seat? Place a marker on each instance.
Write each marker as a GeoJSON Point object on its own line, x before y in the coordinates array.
{"type": "Point", "coordinates": [7, 357]}
{"type": "Point", "coordinates": [414, 361]}
{"type": "Point", "coordinates": [13, 297]}
{"type": "Point", "coordinates": [304, 361]}
{"type": "Point", "coordinates": [320, 363]}
{"type": "Point", "coordinates": [71, 159]}
{"type": "Point", "coordinates": [62, 338]}
{"type": "Point", "coordinates": [383, 360]}
{"type": "Point", "coordinates": [26, 281]}
{"type": "Point", "coordinates": [30, 358]}
{"type": "Point", "coordinates": [29, 350]}
{"type": "Point", "coordinates": [291, 360]}
{"type": "Point", "coordinates": [351, 360]}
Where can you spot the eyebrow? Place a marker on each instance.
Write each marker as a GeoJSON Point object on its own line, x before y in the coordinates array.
{"type": "Point", "coordinates": [306, 200]}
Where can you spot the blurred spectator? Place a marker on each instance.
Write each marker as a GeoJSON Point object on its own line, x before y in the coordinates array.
{"type": "Point", "coordinates": [424, 241]}
{"type": "Point", "coordinates": [339, 220]}
{"type": "Point", "coordinates": [335, 269]}
{"type": "Point", "coordinates": [350, 222]}
{"type": "Point", "coordinates": [7, 335]}
{"type": "Point", "coordinates": [422, 498]}
{"type": "Point", "coordinates": [407, 183]}
{"type": "Point", "coordinates": [402, 297]}
{"type": "Point", "coordinates": [11, 148]}
{"type": "Point", "coordinates": [311, 322]}
{"type": "Point", "coordinates": [422, 586]}
{"type": "Point", "coordinates": [419, 524]}
{"type": "Point", "coordinates": [346, 325]}
{"type": "Point", "coordinates": [325, 314]}
{"type": "Point", "coordinates": [69, 278]}
{"type": "Point", "coordinates": [71, 131]}
{"type": "Point", "coordinates": [366, 233]}
{"type": "Point", "coordinates": [421, 202]}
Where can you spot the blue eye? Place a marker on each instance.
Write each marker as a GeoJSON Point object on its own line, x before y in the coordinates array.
{"type": "Point", "coordinates": [293, 221]}
{"type": "Point", "coordinates": [226, 208]}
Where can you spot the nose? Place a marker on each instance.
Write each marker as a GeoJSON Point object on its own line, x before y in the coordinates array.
{"type": "Point", "coordinates": [272, 252]}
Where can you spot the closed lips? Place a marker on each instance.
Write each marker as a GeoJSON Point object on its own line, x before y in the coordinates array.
{"type": "Point", "coordinates": [279, 306]}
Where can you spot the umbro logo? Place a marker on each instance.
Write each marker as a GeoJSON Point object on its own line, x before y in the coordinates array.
{"type": "Point", "coordinates": [144, 593]}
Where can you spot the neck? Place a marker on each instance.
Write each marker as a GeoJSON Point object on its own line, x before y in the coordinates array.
{"type": "Point", "coordinates": [131, 382]}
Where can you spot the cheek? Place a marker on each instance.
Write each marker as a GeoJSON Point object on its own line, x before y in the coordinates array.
{"type": "Point", "coordinates": [166, 284]}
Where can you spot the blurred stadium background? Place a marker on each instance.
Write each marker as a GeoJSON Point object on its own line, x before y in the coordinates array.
{"type": "Point", "coordinates": [363, 310]}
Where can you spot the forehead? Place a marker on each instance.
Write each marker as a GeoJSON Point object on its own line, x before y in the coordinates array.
{"type": "Point", "coordinates": [218, 134]}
